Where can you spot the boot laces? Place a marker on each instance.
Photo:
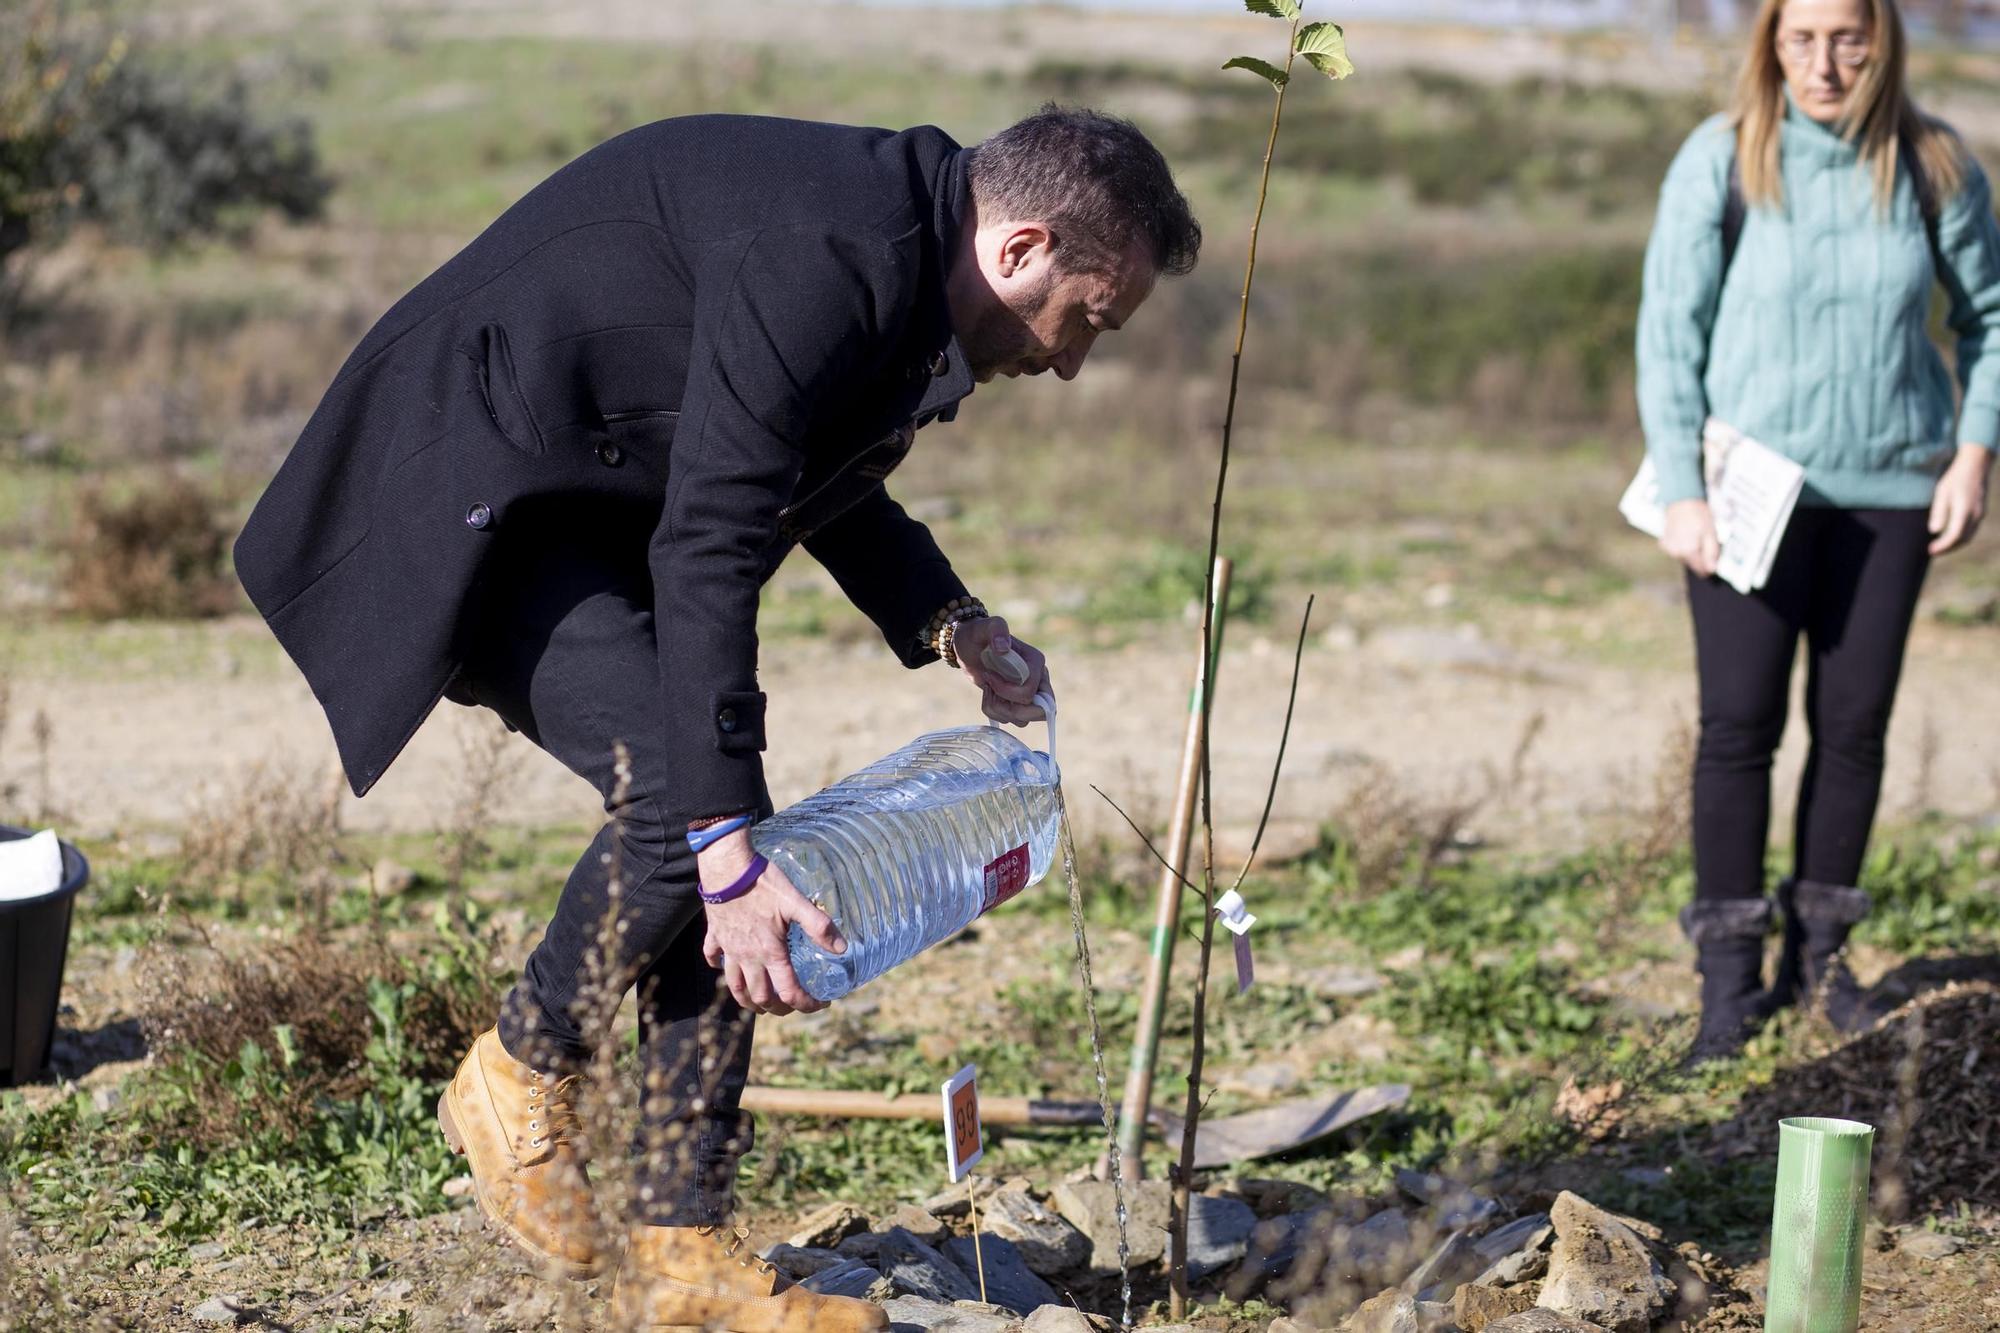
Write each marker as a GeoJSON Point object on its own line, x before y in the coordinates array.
{"type": "Point", "coordinates": [735, 1242]}
{"type": "Point", "coordinates": [552, 1110]}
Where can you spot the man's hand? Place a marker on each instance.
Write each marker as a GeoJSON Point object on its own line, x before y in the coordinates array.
{"type": "Point", "coordinates": [1959, 502]}
{"type": "Point", "coordinates": [1690, 536]}
{"type": "Point", "coordinates": [1001, 696]}
{"type": "Point", "coordinates": [746, 936]}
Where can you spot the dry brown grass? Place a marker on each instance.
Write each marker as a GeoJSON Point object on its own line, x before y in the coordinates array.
{"type": "Point", "coordinates": [483, 778]}
{"type": "Point", "coordinates": [203, 1004]}
{"type": "Point", "coordinates": [157, 553]}
{"type": "Point", "coordinates": [272, 821]}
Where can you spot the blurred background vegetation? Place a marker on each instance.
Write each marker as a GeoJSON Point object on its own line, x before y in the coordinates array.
{"type": "Point", "coordinates": [201, 209]}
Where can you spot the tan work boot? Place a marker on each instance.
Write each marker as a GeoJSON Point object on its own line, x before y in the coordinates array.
{"type": "Point", "coordinates": [513, 1126]}
{"type": "Point", "coordinates": [682, 1279]}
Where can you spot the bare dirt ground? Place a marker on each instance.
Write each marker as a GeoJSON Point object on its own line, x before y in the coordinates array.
{"type": "Point", "coordinates": [145, 738]}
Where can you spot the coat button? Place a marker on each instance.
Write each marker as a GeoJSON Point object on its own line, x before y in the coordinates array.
{"type": "Point", "coordinates": [479, 515]}
{"type": "Point", "coordinates": [610, 454]}
{"type": "Point", "coordinates": [726, 719]}
{"type": "Point", "coordinates": [940, 366]}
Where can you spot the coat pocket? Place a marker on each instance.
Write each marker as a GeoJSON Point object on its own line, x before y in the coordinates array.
{"type": "Point", "coordinates": [493, 368]}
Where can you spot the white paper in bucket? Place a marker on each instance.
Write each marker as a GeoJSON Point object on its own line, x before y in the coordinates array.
{"type": "Point", "coordinates": [30, 867]}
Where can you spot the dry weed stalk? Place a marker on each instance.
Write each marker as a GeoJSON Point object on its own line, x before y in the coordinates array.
{"type": "Point", "coordinates": [483, 778]}
{"type": "Point", "coordinates": [43, 732]}
{"type": "Point", "coordinates": [1658, 830]}
{"type": "Point", "coordinates": [273, 820]}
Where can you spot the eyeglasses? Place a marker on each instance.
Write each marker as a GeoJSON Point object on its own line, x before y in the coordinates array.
{"type": "Point", "coordinates": [1799, 48]}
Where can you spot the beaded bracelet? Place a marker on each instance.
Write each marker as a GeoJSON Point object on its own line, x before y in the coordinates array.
{"type": "Point", "coordinates": [947, 644]}
{"type": "Point", "coordinates": [700, 838]}
{"type": "Point", "coordinates": [958, 608]}
{"type": "Point", "coordinates": [742, 885]}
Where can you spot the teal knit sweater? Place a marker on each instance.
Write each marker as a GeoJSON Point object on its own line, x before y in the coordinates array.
{"type": "Point", "coordinates": [1815, 344]}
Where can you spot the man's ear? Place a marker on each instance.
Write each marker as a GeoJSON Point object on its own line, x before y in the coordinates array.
{"type": "Point", "coordinates": [1025, 245]}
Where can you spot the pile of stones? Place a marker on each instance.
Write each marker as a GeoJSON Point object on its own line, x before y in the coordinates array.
{"type": "Point", "coordinates": [1437, 1258]}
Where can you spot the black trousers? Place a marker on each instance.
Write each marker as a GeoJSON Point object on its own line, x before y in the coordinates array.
{"type": "Point", "coordinates": [563, 650]}
{"type": "Point", "coordinates": [1847, 579]}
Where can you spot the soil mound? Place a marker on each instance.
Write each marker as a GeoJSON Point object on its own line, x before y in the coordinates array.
{"type": "Point", "coordinates": [1928, 1079]}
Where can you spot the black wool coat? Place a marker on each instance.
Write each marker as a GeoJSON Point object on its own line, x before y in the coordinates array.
{"type": "Point", "coordinates": [700, 344]}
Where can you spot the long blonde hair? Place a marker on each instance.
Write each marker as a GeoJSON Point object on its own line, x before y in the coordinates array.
{"type": "Point", "coordinates": [1880, 116]}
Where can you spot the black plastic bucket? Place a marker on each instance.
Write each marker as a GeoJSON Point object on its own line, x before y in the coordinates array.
{"type": "Point", "coordinates": [34, 943]}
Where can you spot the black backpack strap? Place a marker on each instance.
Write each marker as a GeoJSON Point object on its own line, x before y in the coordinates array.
{"type": "Point", "coordinates": [1734, 209]}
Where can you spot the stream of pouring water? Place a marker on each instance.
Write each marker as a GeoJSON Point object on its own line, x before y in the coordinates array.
{"type": "Point", "coordinates": [1097, 1058]}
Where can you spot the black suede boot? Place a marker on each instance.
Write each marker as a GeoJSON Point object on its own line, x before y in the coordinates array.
{"type": "Point", "coordinates": [1728, 938]}
{"type": "Point", "coordinates": [1818, 918]}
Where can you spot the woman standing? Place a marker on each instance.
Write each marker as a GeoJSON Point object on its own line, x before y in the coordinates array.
{"type": "Point", "coordinates": [1787, 289]}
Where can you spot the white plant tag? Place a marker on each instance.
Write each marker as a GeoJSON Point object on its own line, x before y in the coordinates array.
{"type": "Point", "coordinates": [1237, 919]}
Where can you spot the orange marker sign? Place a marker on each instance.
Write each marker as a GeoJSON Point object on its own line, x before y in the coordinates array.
{"type": "Point", "coordinates": [963, 1143]}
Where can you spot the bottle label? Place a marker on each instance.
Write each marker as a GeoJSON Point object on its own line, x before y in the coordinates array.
{"type": "Point", "coordinates": [1006, 875]}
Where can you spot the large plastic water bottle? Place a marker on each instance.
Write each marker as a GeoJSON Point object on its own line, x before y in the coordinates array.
{"type": "Point", "coordinates": [911, 849]}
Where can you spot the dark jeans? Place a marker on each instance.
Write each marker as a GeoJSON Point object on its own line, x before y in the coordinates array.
{"type": "Point", "coordinates": [563, 651]}
{"type": "Point", "coordinates": [1848, 580]}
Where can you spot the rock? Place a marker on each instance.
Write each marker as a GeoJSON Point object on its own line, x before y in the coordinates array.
{"type": "Point", "coordinates": [919, 1223]}
{"type": "Point", "coordinates": [844, 1277]}
{"type": "Point", "coordinates": [955, 1201]}
{"type": "Point", "coordinates": [1277, 1326]}
{"type": "Point", "coordinates": [1391, 1312]}
{"type": "Point", "coordinates": [1341, 982]}
{"type": "Point", "coordinates": [1380, 1250]}
{"type": "Point", "coordinates": [391, 879]}
{"type": "Point", "coordinates": [801, 1261]}
{"type": "Point", "coordinates": [1436, 1317]}
{"type": "Point", "coordinates": [1601, 1272]}
{"type": "Point", "coordinates": [1066, 1319]}
{"type": "Point", "coordinates": [1009, 1282]}
{"type": "Point", "coordinates": [1089, 1205]}
{"type": "Point", "coordinates": [1272, 1079]}
{"type": "Point", "coordinates": [1454, 1205]}
{"type": "Point", "coordinates": [912, 1312]}
{"type": "Point", "coordinates": [1514, 1252]}
{"type": "Point", "coordinates": [1523, 1233]}
{"type": "Point", "coordinates": [828, 1227]}
{"type": "Point", "coordinates": [908, 1312]}
{"type": "Point", "coordinates": [220, 1310]}
{"type": "Point", "coordinates": [1218, 1233]}
{"type": "Point", "coordinates": [1931, 1245]}
{"type": "Point", "coordinates": [1276, 1198]}
{"type": "Point", "coordinates": [207, 1250]}
{"type": "Point", "coordinates": [458, 1187]}
{"type": "Point", "coordinates": [1473, 1306]}
{"type": "Point", "coordinates": [865, 1246]}
{"type": "Point", "coordinates": [394, 1292]}
{"type": "Point", "coordinates": [1049, 1244]}
{"type": "Point", "coordinates": [1543, 1321]}
{"type": "Point", "coordinates": [1452, 1263]}
{"type": "Point", "coordinates": [920, 1270]}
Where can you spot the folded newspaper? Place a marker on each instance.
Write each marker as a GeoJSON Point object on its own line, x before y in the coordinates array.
{"type": "Point", "coordinates": [1752, 490]}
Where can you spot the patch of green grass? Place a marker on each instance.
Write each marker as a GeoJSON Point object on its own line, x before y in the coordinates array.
{"type": "Point", "coordinates": [1167, 580]}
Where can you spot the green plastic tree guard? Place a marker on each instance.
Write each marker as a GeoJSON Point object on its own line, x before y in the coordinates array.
{"type": "Point", "coordinates": [1816, 1225]}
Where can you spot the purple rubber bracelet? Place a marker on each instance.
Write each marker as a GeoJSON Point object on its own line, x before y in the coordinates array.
{"type": "Point", "coordinates": [744, 883]}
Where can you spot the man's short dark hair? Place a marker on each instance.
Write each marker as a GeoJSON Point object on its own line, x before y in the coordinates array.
{"type": "Point", "coordinates": [1095, 180]}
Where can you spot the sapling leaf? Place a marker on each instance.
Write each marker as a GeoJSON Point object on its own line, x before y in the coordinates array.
{"type": "Point", "coordinates": [1325, 46]}
{"type": "Point", "coordinates": [1277, 9]}
{"type": "Point", "coordinates": [1263, 68]}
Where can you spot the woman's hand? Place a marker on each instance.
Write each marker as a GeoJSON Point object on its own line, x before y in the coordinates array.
{"type": "Point", "coordinates": [1002, 697]}
{"type": "Point", "coordinates": [747, 936]}
{"type": "Point", "coordinates": [1959, 502]}
{"type": "Point", "coordinates": [1690, 536]}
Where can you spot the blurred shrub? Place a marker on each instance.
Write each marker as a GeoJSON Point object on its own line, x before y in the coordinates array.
{"type": "Point", "coordinates": [90, 130]}
{"type": "Point", "coordinates": [156, 553]}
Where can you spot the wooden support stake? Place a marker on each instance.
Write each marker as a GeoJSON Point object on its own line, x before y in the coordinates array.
{"type": "Point", "coordinates": [1166, 920]}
